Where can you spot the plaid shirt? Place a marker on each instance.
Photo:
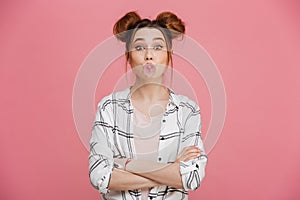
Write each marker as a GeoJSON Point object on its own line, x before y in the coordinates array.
{"type": "Point", "coordinates": [112, 137]}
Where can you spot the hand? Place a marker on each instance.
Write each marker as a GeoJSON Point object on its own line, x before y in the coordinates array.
{"type": "Point", "coordinates": [188, 153]}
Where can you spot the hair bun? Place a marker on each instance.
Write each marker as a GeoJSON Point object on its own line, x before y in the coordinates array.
{"type": "Point", "coordinates": [123, 24]}
{"type": "Point", "coordinates": [172, 22]}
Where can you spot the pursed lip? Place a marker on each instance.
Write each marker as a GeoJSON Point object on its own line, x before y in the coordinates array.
{"type": "Point", "coordinates": [149, 69]}
{"type": "Point", "coordinates": [148, 63]}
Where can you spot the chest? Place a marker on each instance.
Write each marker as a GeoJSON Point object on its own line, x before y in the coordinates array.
{"type": "Point", "coordinates": [162, 136]}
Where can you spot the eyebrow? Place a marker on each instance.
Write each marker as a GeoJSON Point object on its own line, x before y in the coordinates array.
{"type": "Point", "coordinates": [142, 39]}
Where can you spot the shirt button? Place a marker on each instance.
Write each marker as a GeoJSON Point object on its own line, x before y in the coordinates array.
{"type": "Point", "coordinates": [163, 120]}
{"type": "Point", "coordinates": [159, 158]}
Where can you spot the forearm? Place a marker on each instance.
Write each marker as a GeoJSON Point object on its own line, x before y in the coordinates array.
{"type": "Point", "coordinates": [164, 174]}
{"type": "Point", "coordinates": [123, 180]}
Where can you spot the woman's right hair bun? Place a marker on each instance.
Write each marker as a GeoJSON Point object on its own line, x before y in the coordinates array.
{"type": "Point", "coordinates": [172, 22]}
{"type": "Point", "coordinates": [123, 24]}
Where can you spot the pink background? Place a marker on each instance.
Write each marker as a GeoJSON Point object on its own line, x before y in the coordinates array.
{"type": "Point", "coordinates": [255, 45]}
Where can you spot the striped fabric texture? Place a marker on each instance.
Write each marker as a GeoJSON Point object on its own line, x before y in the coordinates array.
{"type": "Point", "coordinates": [112, 138]}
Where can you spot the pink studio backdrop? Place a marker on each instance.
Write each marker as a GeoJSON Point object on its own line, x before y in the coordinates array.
{"type": "Point", "coordinates": [255, 45]}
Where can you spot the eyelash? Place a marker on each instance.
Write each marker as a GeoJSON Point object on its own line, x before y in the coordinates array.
{"type": "Point", "coordinates": [156, 47]}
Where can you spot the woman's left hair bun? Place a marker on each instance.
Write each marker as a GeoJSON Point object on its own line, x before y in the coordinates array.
{"type": "Point", "coordinates": [173, 23]}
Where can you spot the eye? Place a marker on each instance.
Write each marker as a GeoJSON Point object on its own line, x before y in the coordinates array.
{"type": "Point", "coordinates": [139, 48]}
{"type": "Point", "coordinates": [158, 47]}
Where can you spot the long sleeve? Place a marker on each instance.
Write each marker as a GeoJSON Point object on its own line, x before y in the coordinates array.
{"type": "Point", "coordinates": [193, 171]}
{"type": "Point", "coordinates": [101, 154]}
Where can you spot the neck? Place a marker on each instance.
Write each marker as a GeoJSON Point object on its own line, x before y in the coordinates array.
{"type": "Point", "coordinates": [149, 92]}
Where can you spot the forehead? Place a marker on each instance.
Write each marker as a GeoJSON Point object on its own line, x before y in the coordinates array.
{"type": "Point", "coordinates": [148, 34]}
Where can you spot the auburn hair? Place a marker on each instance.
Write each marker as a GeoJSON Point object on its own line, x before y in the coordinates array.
{"type": "Point", "coordinates": [167, 22]}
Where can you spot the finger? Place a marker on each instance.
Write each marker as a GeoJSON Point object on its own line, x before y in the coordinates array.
{"type": "Point", "coordinates": [189, 149]}
{"type": "Point", "coordinates": [191, 157]}
{"type": "Point", "coordinates": [192, 150]}
{"type": "Point", "coordinates": [188, 159]}
{"type": "Point", "coordinates": [191, 154]}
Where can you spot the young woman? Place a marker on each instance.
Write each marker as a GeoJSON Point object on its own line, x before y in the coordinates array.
{"type": "Point", "coordinates": [146, 140]}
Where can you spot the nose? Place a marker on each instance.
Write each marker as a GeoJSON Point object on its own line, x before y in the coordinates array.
{"type": "Point", "coordinates": [148, 55]}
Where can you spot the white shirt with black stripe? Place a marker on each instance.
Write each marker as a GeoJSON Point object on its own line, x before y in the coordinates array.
{"type": "Point", "coordinates": [112, 137]}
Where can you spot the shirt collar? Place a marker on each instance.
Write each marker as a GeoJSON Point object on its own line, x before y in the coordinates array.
{"type": "Point", "coordinates": [173, 99]}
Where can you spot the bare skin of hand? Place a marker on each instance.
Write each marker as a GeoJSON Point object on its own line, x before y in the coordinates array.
{"type": "Point", "coordinates": [188, 153]}
{"type": "Point", "coordinates": [163, 175]}
{"type": "Point", "coordinates": [169, 174]}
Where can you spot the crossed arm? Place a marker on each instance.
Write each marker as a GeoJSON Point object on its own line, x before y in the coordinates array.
{"type": "Point", "coordinates": [186, 172]}
{"type": "Point", "coordinates": [142, 174]}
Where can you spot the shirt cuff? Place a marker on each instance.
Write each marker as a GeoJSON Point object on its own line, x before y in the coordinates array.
{"type": "Point", "coordinates": [193, 172]}
{"type": "Point", "coordinates": [104, 182]}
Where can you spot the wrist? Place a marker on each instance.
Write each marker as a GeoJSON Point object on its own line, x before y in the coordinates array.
{"type": "Point", "coordinates": [175, 167]}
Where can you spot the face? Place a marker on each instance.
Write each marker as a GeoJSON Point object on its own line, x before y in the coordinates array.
{"type": "Point", "coordinates": [148, 54]}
